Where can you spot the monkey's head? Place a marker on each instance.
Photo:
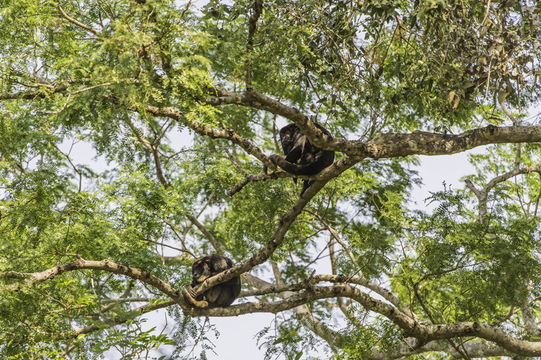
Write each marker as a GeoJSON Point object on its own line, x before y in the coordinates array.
{"type": "Point", "coordinates": [208, 266]}
{"type": "Point", "coordinates": [200, 270]}
{"type": "Point", "coordinates": [288, 136]}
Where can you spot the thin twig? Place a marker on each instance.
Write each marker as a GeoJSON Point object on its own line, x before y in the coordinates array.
{"type": "Point", "coordinates": [252, 26]}
{"type": "Point", "coordinates": [205, 232]}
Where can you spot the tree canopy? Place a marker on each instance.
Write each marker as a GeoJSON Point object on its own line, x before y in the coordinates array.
{"type": "Point", "coordinates": [179, 104]}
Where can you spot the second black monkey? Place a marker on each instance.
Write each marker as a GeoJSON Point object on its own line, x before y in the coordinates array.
{"type": "Point", "coordinates": [307, 158]}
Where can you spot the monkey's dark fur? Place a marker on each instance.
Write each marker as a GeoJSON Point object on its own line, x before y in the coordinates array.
{"type": "Point", "coordinates": [221, 295]}
{"type": "Point", "coordinates": [299, 151]}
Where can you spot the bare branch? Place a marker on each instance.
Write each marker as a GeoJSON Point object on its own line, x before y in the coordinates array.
{"type": "Point", "coordinates": [205, 232]}
{"type": "Point", "coordinates": [76, 22]}
{"type": "Point", "coordinates": [252, 26]}
{"type": "Point", "coordinates": [413, 328]}
{"type": "Point", "coordinates": [248, 178]}
{"type": "Point", "coordinates": [263, 102]}
{"type": "Point", "coordinates": [153, 149]}
{"type": "Point", "coordinates": [382, 146]}
{"type": "Point", "coordinates": [385, 145]}
{"type": "Point", "coordinates": [424, 143]}
{"type": "Point", "coordinates": [482, 194]}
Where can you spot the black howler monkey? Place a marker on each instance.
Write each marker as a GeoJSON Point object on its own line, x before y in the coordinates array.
{"type": "Point", "coordinates": [221, 295]}
{"type": "Point", "coordinates": [307, 158]}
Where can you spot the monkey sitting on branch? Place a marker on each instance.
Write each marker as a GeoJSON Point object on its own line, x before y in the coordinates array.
{"type": "Point", "coordinates": [221, 295]}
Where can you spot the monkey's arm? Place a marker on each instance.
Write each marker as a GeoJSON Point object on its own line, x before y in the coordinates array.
{"type": "Point", "coordinates": [189, 296]}
{"type": "Point", "coordinates": [292, 168]}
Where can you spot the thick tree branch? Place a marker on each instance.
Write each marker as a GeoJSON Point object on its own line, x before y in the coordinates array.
{"type": "Point", "coordinates": [262, 102]}
{"type": "Point", "coordinates": [382, 146]}
{"type": "Point", "coordinates": [474, 349]}
{"type": "Point", "coordinates": [106, 265]}
{"type": "Point", "coordinates": [422, 331]}
{"type": "Point", "coordinates": [425, 143]}
{"type": "Point", "coordinates": [385, 145]}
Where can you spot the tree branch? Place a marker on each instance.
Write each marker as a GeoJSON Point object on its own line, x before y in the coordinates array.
{"type": "Point", "coordinates": [341, 303]}
{"type": "Point", "coordinates": [31, 95]}
{"type": "Point", "coordinates": [152, 146]}
{"type": "Point", "coordinates": [482, 194]}
{"type": "Point", "coordinates": [474, 349]}
{"type": "Point", "coordinates": [248, 178]}
{"type": "Point", "coordinates": [204, 130]}
{"type": "Point", "coordinates": [361, 280]}
{"type": "Point", "coordinates": [252, 26]}
{"type": "Point", "coordinates": [413, 328]}
{"type": "Point", "coordinates": [385, 145]}
{"type": "Point", "coordinates": [106, 265]}
{"type": "Point", "coordinates": [205, 232]}
{"type": "Point", "coordinates": [76, 22]}
{"type": "Point", "coordinates": [262, 255]}
{"type": "Point", "coordinates": [382, 146]}
{"type": "Point", "coordinates": [262, 102]}
{"type": "Point", "coordinates": [425, 143]}
{"type": "Point", "coordinates": [310, 321]}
